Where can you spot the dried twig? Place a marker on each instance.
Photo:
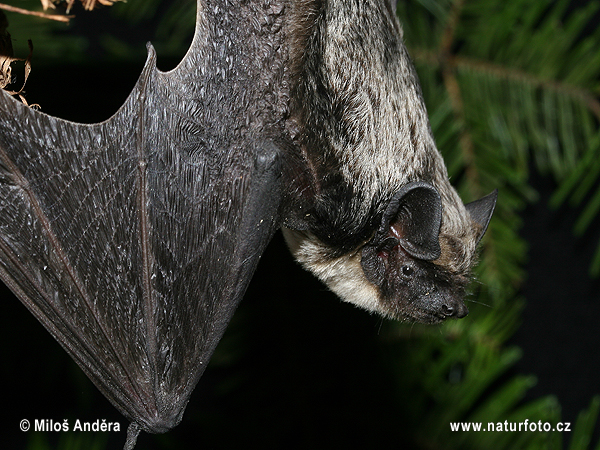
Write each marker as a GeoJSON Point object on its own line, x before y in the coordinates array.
{"type": "Point", "coordinates": [57, 17]}
{"type": "Point", "coordinates": [87, 4]}
{"type": "Point", "coordinates": [6, 59]}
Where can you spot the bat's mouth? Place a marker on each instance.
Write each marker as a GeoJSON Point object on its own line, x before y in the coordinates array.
{"type": "Point", "coordinates": [430, 307]}
{"type": "Point", "coordinates": [455, 310]}
{"type": "Point", "coordinates": [429, 316]}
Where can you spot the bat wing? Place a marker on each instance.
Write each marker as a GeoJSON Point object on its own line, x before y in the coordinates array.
{"type": "Point", "coordinates": [133, 240]}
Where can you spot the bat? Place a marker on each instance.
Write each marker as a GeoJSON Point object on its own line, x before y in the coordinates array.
{"type": "Point", "coordinates": [133, 240]}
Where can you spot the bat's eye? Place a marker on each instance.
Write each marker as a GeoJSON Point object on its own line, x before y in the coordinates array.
{"type": "Point", "coordinates": [407, 271]}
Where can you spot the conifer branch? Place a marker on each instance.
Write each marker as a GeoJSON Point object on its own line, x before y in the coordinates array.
{"type": "Point", "coordinates": [445, 59]}
{"type": "Point", "coordinates": [454, 62]}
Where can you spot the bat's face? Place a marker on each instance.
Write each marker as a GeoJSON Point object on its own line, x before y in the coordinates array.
{"type": "Point", "coordinates": [397, 261]}
{"type": "Point", "coordinates": [418, 290]}
{"type": "Point", "coordinates": [408, 269]}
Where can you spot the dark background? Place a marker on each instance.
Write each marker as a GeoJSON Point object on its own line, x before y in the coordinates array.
{"type": "Point", "coordinates": [560, 332]}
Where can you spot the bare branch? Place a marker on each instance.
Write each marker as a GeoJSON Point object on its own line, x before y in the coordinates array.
{"type": "Point", "coordinates": [56, 17]}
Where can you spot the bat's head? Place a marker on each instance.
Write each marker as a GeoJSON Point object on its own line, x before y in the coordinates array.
{"type": "Point", "coordinates": [417, 272]}
{"type": "Point", "coordinates": [417, 263]}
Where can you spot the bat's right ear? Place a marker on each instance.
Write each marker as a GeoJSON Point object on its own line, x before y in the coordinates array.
{"type": "Point", "coordinates": [411, 222]}
{"type": "Point", "coordinates": [481, 212]}
{"type": "Point", "coordinates": [413, 217]}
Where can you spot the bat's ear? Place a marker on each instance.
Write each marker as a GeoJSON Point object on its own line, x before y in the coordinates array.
{"type": "Point", "coordinates": [481, 212]}
{"type": "Point", "coordinates": [414, 216]}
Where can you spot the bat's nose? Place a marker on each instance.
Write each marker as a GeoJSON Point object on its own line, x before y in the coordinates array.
{"type": "Point", "coordinates": [455, 309]}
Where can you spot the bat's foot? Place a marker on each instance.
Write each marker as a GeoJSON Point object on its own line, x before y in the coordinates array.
{"type": "Point", "coordinates": [132, 434]}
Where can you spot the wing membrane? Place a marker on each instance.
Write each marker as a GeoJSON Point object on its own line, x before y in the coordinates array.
{"type": "Point", "coordinates": [133, 240]}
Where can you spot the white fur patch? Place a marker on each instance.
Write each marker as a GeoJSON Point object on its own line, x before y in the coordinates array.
{"type": "Point", "coordinates": [343, 275]}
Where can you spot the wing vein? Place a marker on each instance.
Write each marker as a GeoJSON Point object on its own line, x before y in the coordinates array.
{"type": "Point", "coordinates": [142, 199]}
{"type": "Point", "coordinates": [55, 244]}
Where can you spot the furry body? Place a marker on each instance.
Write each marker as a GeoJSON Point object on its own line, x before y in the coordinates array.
{"type": "Point", "coordinates": [366, 134]}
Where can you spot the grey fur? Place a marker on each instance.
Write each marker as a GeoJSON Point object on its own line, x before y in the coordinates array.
{"type": "Point", "coordinates": [366, 134]}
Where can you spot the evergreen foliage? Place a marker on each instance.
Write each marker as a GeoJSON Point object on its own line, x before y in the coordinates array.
{"type": "Point", "coordinates": [509, 86]}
